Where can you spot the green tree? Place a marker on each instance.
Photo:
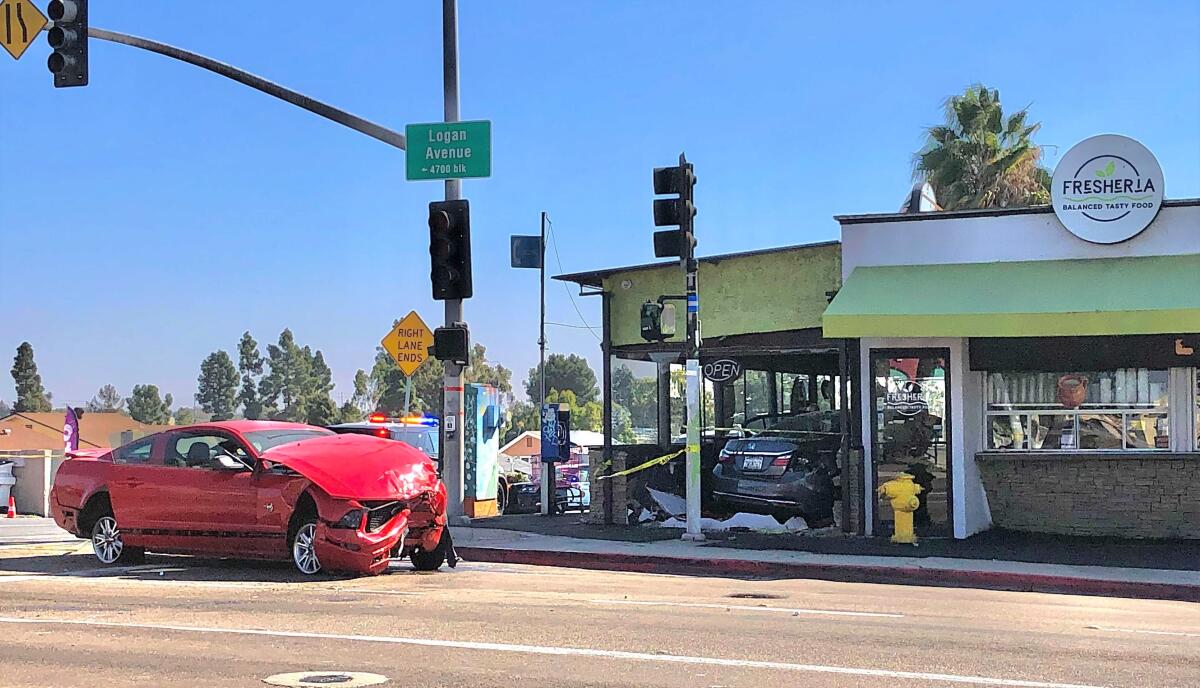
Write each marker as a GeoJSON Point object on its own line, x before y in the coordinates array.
{"type": "Point", "coordinates": [584, 416]}
{"type": "Point", "coordinates": [564, 372]}
{"type": "Point", "coordinates": [107, 400]}
{"type": "Point", "coordinates": [319, 407]}
{"type": "Point", "coordinates": [522, 416]}
{"type": "Point", "coordinates": [285, 389]}
{"type": "Point", "coordinates": [147, 407]}
{"type": "Point", "coordinates": [217, 390]}
{"type": "Point", "coordinates": [185, 415]}
{"type": "Point", "coordinates": [982, 159]}
{"type": "Point", "coordinates": [250, 366]}
{"type": "Point", "coordinates": [355, 409]}
{"type": "Point", "coordinates": [622, 429]}
{"type": "Point", "coordinates": [31, 396]}
{"type": "Point", "coordinates": [485, 372]}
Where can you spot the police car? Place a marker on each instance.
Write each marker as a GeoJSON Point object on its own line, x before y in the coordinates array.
{"type": "Point", "coordinates": [416, 431]}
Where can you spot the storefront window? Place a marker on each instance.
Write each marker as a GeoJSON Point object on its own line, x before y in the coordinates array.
{"type": "Point", "coordinates": [678, 400]}
{"type": "Point", "coordinates": [794, 393]}
{"type": "Point", "coordinates": [635, 401]}
{"type": "Point", "coordinates": [752, 397]}
{"type": "Point", "coordinates": [1196, 396]}
{"type": "Point", "coordinates": [1121, 409]}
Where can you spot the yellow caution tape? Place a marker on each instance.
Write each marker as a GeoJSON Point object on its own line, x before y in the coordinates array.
{"type": "Point", "coordinates": [652, 462]}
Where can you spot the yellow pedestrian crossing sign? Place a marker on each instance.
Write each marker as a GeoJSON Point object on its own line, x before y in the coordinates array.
{"type": "Point", "coordinates": [20, 23]}
{"type": "Point", "coordinates": [409, 343]}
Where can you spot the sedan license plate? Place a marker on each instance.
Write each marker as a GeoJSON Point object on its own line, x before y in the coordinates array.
{"type": "Point", "coordinates": [752, 463]}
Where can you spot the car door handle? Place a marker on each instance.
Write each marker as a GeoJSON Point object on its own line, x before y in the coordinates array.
{"type": "Point", "coordinates": [129, 482]}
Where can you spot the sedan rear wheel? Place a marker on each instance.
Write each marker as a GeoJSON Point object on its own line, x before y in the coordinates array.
{"type": "Point", "coordinates": [107, 544]}
{"type": "Point", "coordinates": [304, 550]}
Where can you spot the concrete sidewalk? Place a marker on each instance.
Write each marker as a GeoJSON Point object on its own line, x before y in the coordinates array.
{"type": "Point", "coordinates": [679, 557]}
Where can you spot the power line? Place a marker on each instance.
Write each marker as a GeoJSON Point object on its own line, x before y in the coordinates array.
{"type": "Point", "coordinates": [558, 259]}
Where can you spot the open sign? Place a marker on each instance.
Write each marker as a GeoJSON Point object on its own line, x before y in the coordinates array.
{"type": "Point", "coordinates": [723, 370]}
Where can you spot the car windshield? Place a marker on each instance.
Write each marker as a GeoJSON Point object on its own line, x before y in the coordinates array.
{"type": "Point", "coordinates": [268, 439]}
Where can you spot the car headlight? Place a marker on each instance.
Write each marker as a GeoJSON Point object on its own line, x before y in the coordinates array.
{"type": "Point", "coordinates": [352, 520]}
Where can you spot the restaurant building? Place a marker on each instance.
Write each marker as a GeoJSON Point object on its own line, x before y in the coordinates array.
{"type": "Point", "coordinates": [1037, 368]}
{"type": "Point", "coordinates": [1038, 364]}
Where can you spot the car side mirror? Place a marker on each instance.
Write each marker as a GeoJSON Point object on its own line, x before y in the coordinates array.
{"type": "Point", "coordinates": [226, 462]}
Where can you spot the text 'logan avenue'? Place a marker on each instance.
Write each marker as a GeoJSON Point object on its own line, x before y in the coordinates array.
{"type": "Point", "coordinates": [443, 137]}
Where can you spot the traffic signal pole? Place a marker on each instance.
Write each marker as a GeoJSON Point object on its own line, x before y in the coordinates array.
{"type": "Point", "coordinates": [680, 212]}
{"type": "Point", "coordinates": [692, 379]}
{"type": "Point", "coordinates": [452, 416]}
{"type": "Point", "coordinates": [549, 474]}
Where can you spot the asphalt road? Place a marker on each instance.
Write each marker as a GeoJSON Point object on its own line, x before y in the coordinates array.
{"type": "Point", "coordinates": [180, 621]}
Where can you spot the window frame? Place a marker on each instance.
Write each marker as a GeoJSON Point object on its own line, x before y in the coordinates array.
{"type": "Point", "coordinates": [118, 455]}
{"type": "Point", "coordinates": [174, 438]}
{"type": "Point", "coordinates": [1126, 411]}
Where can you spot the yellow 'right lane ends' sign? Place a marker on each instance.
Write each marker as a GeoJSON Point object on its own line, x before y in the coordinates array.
{"type": "Point", "coordinates": [20, 23]}
{"type": "Point", "coordinates": [409, 343]}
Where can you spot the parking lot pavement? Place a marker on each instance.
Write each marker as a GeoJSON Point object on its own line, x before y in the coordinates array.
{"type": "Point", "coordinates": [31, 530]}
{"type": "Point", "coordinates": [185, 621]}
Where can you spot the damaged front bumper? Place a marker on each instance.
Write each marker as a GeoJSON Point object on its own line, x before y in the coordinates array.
{"type": "Point", "coordinates": [358, 551]}
{"type": "Point", "coordinates": [418, 526]}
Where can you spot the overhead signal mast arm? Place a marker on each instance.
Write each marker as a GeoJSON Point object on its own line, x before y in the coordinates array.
{"type": "Point", "coordinates": [381, 133]}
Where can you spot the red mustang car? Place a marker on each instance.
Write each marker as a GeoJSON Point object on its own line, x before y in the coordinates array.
{"type": "Point", "coordinates": [258, 489]}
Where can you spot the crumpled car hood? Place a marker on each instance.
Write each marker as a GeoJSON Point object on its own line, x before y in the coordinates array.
{"type": "Point", "coordinates": [359, 466]}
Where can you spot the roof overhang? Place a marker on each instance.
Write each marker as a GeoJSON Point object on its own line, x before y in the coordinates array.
{"type": "Point", "coordinates": [1105, 296]}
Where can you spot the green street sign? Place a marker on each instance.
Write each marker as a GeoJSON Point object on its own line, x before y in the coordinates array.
{"type": "Point", "coordinates": [449, 150]}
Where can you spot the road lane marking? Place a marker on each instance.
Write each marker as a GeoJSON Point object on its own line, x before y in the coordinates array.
{"type": "Point", "coordinates": [565, 651]}
{"type": "Point", "coordinates": [749, 608]}
{"type": "Point", "coordinates": [1179, 634]}
{"type": "Point", "coordinates": [17, 579]}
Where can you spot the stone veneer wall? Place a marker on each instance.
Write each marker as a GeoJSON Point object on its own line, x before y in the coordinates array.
{"type": "Point", "coordinates": [1134, 496]}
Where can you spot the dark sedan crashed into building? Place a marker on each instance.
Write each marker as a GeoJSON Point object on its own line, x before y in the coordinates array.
{"type": "Point", "coordinates": [789, 469]}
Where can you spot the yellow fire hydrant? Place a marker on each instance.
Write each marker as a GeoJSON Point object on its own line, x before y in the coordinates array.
{"type": "Point", "coordinates": [902, 492]}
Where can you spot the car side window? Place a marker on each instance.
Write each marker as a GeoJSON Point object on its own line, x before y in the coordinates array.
{"type": "Point", "coordinates": [197, 450]}
{"type": "Point", "coordinates": [134, 452]}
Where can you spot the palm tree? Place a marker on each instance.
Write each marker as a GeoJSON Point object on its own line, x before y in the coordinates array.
{"type": "Point", "coordinates": [981, 159]}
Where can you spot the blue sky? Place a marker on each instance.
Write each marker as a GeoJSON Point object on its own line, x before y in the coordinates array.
{"type": "Point", "coordinates": [194, 209]}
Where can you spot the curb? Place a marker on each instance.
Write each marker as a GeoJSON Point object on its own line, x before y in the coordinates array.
{"type": "Point", "coordinates": [846, 573]}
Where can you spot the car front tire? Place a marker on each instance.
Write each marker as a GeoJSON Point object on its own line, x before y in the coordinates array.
{"type": "Point", "coordinates": [432, 561]}
{"type": "Point", "coordinates": [109, 547]}
{"type": "Point", "coordinates": [304, 549]}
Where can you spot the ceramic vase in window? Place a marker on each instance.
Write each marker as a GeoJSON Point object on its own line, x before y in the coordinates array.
{"type": "Point", "coordinates": [1072, 390]}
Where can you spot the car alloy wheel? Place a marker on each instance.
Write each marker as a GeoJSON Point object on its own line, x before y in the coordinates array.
{"type": "Point", "coordinates": [304, 549]}
{"type": "Point", "coordinates": [106, 540]}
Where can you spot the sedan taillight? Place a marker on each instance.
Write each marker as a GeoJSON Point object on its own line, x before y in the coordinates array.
{"type": "Point", "coordinates": [782, 461]}
{"type": "Point", "coordinates": [724, 456]}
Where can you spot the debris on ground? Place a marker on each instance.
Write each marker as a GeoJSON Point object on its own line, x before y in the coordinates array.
{"type": "Point", "coordinates": [743, 521]}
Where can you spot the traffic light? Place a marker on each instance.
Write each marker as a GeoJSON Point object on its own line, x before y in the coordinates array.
{"type": "Point", "coordinates": [452, 344]}
{"type": "Point", "coordinates": [658, 321]}
{"type": "Point", "coordinates": [678, 211]}
{"type": "Point", "coordinates": [450, 249]}
{"type": "Point", "coordinates": [69, 38]}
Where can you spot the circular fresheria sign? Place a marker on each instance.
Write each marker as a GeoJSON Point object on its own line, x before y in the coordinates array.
{"type": "Point", "coordinates": [1107, 189]}
{"type": "Point", "coordinates": [906, 397]}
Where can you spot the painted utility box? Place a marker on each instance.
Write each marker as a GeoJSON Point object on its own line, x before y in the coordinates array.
{"type": "Point", "coordinates": [482, 418]}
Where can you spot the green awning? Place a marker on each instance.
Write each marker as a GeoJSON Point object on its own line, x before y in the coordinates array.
{"type": "Point", "coordinates": [1055, 298]}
